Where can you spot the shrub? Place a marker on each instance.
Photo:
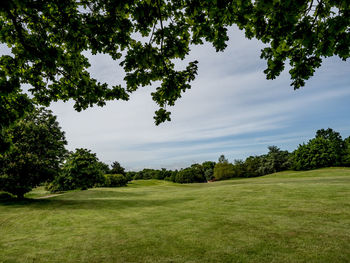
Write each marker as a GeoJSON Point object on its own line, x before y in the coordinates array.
{"type": "Point", "coordinates": [115, 180]}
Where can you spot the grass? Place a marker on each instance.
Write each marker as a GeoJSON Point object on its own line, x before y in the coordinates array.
{"type": "Point", "coordinates": [284, 217]}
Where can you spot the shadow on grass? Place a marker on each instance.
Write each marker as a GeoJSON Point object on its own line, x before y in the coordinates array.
{"type": "Point", "coordinates": [100, 201]}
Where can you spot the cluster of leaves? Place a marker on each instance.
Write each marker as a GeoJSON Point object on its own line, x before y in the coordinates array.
{"type": "Point", "coordinates": [326, 149]}
{"type": "Point", "coordinates": [36, 154]}
{"type": "Point", "coordinates": [49, 40]}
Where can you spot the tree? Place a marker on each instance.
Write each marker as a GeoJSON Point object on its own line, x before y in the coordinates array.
{"type": "Point", "coordinates": [346, 159]}
{"type": "Point", "coordinates": [190, 175]}
{"type": "Point", "coordinates": [104, 168]}
{"type": "Point", "coordinates": [117, 168]}
{"type": "Point", "coordinates": [277, 160]}
{"type": "Point", "coordinates": [115, 180]}
{"type": "Point", "coordinates": [208, 170]}
{"type": "Point", "coordinates": [222, 159]}
{"type": "Point", "coordinates": [36, 155]}
{"type": "Point", "coordinates": [49, 40]}
{"type": "Point", "coordinates": [326, 149]}
{"type": "Point", "coordinates": [223, 170]}
{"type": "Point", "coordinates": [82, 170]}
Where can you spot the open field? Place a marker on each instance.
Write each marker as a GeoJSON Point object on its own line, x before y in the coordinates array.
{"type": "Point", "coordinates": [284, 217]}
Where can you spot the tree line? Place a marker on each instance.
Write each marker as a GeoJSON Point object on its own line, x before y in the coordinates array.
{"type": "Point", "coordinates": [38, 156]}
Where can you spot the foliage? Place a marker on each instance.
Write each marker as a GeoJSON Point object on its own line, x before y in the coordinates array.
{"type": "Point", "coordinates": [208, 170]}
{"type": "Point", "coordinates": [239, 168]}
{"type": "Point", "coordinates": [223, 171]}
{"type": "Point", "coordinates": [36, 154]}
{"type": "Point", "coordinates": [346, 159]}
{"type": "Point", "coordinates": [325, 150]}
{"type": "Point", "coordinates": [222, 159]}
{"type": "Point", "coordinates": [190, 175]}
{"type": "Point", "coordinates": [82, 170]}
{"type": "Point", "coordinates": [117, 169]}
{"type": "Point", "coordinates": [278, 160]}
{"type": "Point", "coordinates": [115, 180]}
{"type": "Point", "coordinates": [49, 40]}
{"type": "Point", "coordinates": [105, 168]}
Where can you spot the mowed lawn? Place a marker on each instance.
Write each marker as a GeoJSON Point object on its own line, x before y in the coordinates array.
{"type": "Point", "coordinates": [284, 217]}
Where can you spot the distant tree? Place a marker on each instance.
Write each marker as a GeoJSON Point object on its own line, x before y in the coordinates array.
{"type": "Point", "coordinates": [208, 170]}
{"type": "Point", "coordinates": [326, 149]}
{"type": "Point", "coordinates": [130, 175]}
{"type": "Point", "coordinates": [114, 180]}
{"type": "Point", "coordinates": [105, 168]}
{"type": "Point", "coordinates": [163, 173]}
{"type": "Point", "coordinates": [239, 168]}
{"type": "Point", "coordinates": [190, 175]}
{"type": "Point", "coordinates": [253, 166]}
{"type": "Point", "coordinates": [222, 159]}
{"type": "Point", "coordinates": [277, 159]}
{"type": "Point", "coordinates": [36, 155]}
{"type": "Point", "coordinates": [346, 157]}
{"type": "Point", "coordinates": [82, 170]}
{"type": "Point", "coordinates": [223, 170]}
{"type": "Point", "coordinates": [117, 168]}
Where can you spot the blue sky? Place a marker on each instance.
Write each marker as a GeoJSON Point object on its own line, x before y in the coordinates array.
{"type": "Point", "coordinates": [231, 109]}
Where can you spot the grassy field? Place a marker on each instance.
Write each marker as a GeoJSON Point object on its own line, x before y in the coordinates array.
{"type": "Point", "coordinates": [284, 217]}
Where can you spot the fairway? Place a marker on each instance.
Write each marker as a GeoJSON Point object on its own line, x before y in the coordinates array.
{"type": "Point", "coordinates": [285, 217]}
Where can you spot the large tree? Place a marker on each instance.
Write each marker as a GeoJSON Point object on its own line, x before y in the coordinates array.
{"type": "Point", "coordinates": [325, 150]}
{"type": "Point", "coordinates": [49, 40]}
{"type": "Point", "coordinates": [36, 154]}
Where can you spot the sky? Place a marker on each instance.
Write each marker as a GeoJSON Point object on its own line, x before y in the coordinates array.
{"type": "Point", "coordinates": [231, 109]}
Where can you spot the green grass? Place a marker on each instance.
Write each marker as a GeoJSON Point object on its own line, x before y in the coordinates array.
{"type": "Point", "coordinates": [284, 217]}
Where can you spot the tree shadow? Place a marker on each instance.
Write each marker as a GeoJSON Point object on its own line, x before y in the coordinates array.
{"type": "Point", "coordinates": [107, 200]}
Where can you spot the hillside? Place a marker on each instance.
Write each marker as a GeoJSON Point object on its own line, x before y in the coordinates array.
{"type": "Point", "coordinates": [284, 217]}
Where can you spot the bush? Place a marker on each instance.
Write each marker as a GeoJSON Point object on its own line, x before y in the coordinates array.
{"type": "Point", "coordinates": [115, 180]}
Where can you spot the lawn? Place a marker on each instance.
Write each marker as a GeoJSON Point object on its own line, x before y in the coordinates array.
{"type": "Point", "coordinates": [284, 217]}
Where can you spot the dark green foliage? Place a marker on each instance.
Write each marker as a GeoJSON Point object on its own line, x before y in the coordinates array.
{"type": "Point", "coordinates": [115, 180]}
{"type": "Point", "coordinates": [346, 158]}
{"type": "Point", "coordinates": [208, 170]}
{"type": "Point", "coordinates": [325, 150]}
{"type": "Point", "coordinates": [82, 170]}
{"type": "Point", "coordinates": [253, 166]}
{"type": "Point", "coordinates": [117, 169]}
{"type": "Point", "coordinates": [172, 176]}
{"type": "Point", "coordinates": [239, 168]}
{"type": "Point", "coordinates": [36, 154]}
{"type": "Point", "coordinates": [222, 159]}
{"type": "Point", "coordinates": [105, 168]}
{"type": "Point", "coordinates": [223, 171]}
{"type": "Point", "coordinates": [278, 160]}
{"type": "Point", "coordinates": [190, 175]}
{"type": "Point", "coordinates": [147, 174]}
{"type": "Point", "coordinates": [49, 40]}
